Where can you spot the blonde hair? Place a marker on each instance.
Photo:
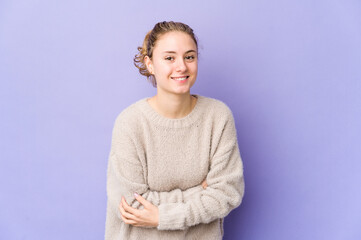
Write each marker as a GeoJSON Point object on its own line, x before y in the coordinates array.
{"type": "Point", "coordinates": [150, 40]}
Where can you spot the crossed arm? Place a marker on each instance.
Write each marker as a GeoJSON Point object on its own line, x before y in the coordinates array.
{"type": "Point", "coordinates": [147, 217]}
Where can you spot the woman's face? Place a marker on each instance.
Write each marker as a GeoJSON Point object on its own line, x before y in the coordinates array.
{"type": "Point", "coordinates": [174, 62]}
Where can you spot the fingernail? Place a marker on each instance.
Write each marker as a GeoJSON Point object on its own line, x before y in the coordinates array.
{"type": "Point", "coordinates": [136, 195]}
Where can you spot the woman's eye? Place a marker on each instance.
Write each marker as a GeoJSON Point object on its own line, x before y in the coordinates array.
{"type": "Point", "coordinates": [169, 58]}
{"type": "Point", "coordinates": [190, 57]}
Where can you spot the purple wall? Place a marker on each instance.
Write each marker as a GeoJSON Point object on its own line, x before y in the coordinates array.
{"type": "Point", "coordinates": [290, 72]}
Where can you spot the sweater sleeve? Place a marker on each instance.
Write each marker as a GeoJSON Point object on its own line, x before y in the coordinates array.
{"type": "Point", "coordinates": [126, 175]}
{"type": "Point", "coordinates": [224, 192]}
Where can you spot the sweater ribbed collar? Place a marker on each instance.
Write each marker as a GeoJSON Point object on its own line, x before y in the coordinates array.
{"type": "Point", "coordinates": [158, 119]}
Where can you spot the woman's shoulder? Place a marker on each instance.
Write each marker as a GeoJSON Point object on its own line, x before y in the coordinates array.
{"type": "Point", "coordinates": [131, 113]}
{"type": "Point", "coordinates": [216, 106]}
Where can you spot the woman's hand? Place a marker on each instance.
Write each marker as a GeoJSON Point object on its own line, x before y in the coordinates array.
{"type": "Point", "coordinates": [147, 217]}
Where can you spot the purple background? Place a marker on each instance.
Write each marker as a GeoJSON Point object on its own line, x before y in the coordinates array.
{"type": "Point", "coordinates": [289, 70]}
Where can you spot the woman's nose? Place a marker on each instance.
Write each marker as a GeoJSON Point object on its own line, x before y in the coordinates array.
{"type": "Point", "coordinates": [181, 66]}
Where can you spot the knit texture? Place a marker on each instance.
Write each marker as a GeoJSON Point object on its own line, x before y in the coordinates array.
{"type": "Point", "coordinates": [165, 160]}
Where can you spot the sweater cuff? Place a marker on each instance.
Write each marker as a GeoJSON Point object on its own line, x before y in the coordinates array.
{"type": "Point", "coordinates": [171, 216]}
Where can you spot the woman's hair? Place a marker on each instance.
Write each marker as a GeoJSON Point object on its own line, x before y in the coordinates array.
{"type": "Point", "coordinates": [150, 40]}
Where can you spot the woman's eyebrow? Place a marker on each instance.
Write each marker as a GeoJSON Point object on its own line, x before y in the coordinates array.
{"type": "Point", "coordinates": [176, 52]}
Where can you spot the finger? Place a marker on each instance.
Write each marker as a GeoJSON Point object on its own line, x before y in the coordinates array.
{"type": "Point", "coordinates": [129, 221]}
{"type": "Point", "coordinates": [129, 209]}
{"type": "Point", "coordinates": [142, 200]}
{"type": "Point", "coordinates": [204, 184]}
{"type": "Point", "coordinates": [126, 214]}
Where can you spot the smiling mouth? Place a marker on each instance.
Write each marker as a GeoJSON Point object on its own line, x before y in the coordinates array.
{"type": "Point", "coordinates": [180, 78]}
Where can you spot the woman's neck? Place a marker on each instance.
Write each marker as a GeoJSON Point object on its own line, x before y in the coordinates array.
{"type": "Point", "coordinates": [173, 106]}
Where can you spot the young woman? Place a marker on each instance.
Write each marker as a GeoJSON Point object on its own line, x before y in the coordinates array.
{"type": "Point", "coordinates": [174, 169]}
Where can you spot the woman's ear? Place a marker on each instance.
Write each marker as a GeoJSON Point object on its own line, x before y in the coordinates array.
{"type": "Point", "coordinates": [149, 64]}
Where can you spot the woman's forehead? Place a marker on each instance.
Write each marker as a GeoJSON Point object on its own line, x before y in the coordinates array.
{"type": "Point", "coordinates": [175, 42]}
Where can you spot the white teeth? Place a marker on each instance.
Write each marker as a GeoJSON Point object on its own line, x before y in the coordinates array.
{"type": "Point", "coordinates": [180, 79]}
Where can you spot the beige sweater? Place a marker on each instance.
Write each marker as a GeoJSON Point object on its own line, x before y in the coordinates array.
{"type": "Point", "coordinates": [165, 160]}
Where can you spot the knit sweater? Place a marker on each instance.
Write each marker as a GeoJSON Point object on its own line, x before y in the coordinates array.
{"type": "Point", "coordinates": [165, 160]}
